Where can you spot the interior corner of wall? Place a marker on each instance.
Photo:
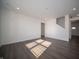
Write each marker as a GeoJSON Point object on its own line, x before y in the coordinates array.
{"type": "Point", "coordinates": [67, 39]}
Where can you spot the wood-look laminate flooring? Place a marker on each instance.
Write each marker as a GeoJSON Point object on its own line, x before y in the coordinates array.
{"type": "Point", "coordinates": [58, 50]}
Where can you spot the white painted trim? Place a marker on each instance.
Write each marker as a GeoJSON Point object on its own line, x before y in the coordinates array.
{"type": "Point", "coordinates": [75, 18]}
{"type": "Point", "coordinates": [18, 41]}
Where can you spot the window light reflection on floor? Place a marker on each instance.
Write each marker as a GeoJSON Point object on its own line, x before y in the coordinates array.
{"type": "Point", "coordinates": [38, 50]}
{"type": "Point", "coordinates": [30, 45]}
{"type": "Point", "coordinates": [38, 47]}
{"type": "Point", "coordinates": [46, 43]}
{"type": "Point", "coordinates": [39, 41]}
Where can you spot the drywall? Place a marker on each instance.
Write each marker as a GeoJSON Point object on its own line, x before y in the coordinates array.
{"type": "Point", "coordinates": [67, 27]}
{"type": "Point", "coordinates": [16, 27]}
{"type": "Point", "coordinates": [0, 21]}
{"type": "Point", "coordinates": [75, 31]}
{"type": "Point", "coordinates": [0, 27]}
{"type": "Point", "coordinates": [53, 30]}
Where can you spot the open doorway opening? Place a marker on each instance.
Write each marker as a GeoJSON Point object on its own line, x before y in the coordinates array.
{"type": "Point", "coordinates": [42, 30]}
{"type": "Point", "coordinates": [75, 29]}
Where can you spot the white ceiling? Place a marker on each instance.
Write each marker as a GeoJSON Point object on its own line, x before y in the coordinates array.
{"type": "Point", "coordinates": [42, 8]}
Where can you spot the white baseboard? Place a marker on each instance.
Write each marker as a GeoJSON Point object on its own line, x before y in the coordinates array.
{"type": "Point", "coordinates": [18, 41]}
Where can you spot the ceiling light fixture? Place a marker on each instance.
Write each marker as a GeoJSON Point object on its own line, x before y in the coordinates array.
{"type": "Point", "coordinates": [17, 8]}
{"type": "Point", "coordinates": [73, 28]}
{"type": "Point", "coordinates": [74, 9]}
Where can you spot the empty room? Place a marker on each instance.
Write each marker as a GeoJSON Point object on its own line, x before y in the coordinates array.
{"type": "Point", "coordinates": [39, 29]}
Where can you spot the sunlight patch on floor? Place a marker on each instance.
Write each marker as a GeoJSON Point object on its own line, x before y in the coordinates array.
{"type": "Point", "coordinates": [38, 50]}
{"type": "Point", "coordinates": [30, 45]}
{"type": "Point", "coordinates": [38, 47]}
{"type": "Point", "coordinates": [46, 43]}
{"type": "Point", "coordinates": [39, 41]}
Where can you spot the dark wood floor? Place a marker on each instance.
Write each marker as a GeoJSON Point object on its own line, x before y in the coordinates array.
{"type": "Point", "coordinates": [58, 50]}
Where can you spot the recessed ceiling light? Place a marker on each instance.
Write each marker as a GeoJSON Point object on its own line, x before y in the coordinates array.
{"type": "Point", "coordinates": [74, 9]}
{"type": "Point", "coordinates": [17, 8]}
{"type": "Point", "coordinates": [73, 28]}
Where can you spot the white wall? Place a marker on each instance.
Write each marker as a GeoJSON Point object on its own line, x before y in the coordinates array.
{"type": "Point", "coordinates": [16, 27]}
{"type": "Point", "coordinates": [67, 27]}
{"type": "Point", "coordinates": [0, 23]}
{"type": "Point", "coordinates": [53, 30]}
{"type": "Point", "coordinates": [0, 28]}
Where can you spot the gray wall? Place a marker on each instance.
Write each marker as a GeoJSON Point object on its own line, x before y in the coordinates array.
{"type": "Point", "coordinates": [75, 31]}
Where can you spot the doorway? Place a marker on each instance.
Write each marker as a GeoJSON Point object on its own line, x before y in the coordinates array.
{"type": "Point", "coordinates": [42, 30]}
{"type": "Point", "coordinates": [75, 29]}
